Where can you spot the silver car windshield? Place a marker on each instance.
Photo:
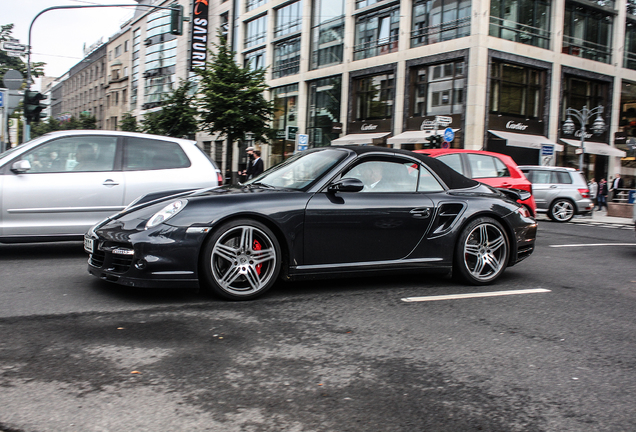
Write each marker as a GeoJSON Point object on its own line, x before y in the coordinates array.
{"type": "Point", "coordinates": [300, 171]}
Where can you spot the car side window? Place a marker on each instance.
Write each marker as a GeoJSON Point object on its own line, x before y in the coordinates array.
{"type": "Point", "coordinates": [454, 161]}
{"type": "Point", "coordinates": [150, 154]}
{"type": "Point", "coordinates": [80, 153]}
{"type": "Point", "coordinates": [483, 166]}
{"type": "Point", "coordinates": [502, 169]}
{"type": "Point", "coordinates": [563, 178]}
{"type": "Point", "coordinates": [428, 183]}
{"type": "Point", "coordinates": [386, 176]}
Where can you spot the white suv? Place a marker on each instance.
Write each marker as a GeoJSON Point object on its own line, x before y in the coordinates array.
{"type": "Point", "coordinates": [57, 186]}
{"type": "Point", "coordinates": [560, 192]}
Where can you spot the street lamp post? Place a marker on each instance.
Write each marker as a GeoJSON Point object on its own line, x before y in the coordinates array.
{"type": "Point", "coordinates": [598, 127]}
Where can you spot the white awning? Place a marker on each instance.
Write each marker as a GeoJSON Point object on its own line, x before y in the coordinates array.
{"type": "Point", "coordinates": [361, 139]}
{"type": "Point", "coordinates": [414, 137]}
{"type": "Point", "coordinates": [596, 148]}
{"type": "Point", "coordinates": [525, 140]}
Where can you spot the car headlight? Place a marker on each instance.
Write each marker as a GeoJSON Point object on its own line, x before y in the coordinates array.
{"type": "Point", "coordinates": [166, 213]}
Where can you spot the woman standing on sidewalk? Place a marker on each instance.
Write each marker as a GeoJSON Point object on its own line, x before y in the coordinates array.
{"type": "Point", "coordinates": [593, 187]}
{"type": "Point", "coordinates": [602, 195]}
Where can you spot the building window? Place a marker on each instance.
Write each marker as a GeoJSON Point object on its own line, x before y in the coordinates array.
{"type": "Point", "coordinates": [374, 97]}
{"type": "Point", "coordinates": [134, 81]}
{"type": "Point", "coordinates": [327, 33]}
{"type": "Point", "coordinates": [256, 32]}
{"type": "Point", "coordinates": [587, 33]}
{"type": "Point", "coordinates": [579, 92]}
{"type": "Point", "coordinates": [324, 110]}
{"type": "Point", "coordinates": [437, 89]}
{"type": "Point", "coordinates": [377, 33]}
{"type": "Point", "coordinates": [285, 122]}
{"type": "Point", "coordinates": [255, 59]}
{"type": "Point", "coordinates": [516, 90]}
{"type": "Point", "coordinates": [437, 21]}
{"type": "Point", "coordinates": [117, 51]}
{"type": "Point", "coordinates": [286, 58]}
{"type": "Point", "coordinates": [288, 19]}
{"type": "Point", "coordinates": [630, 44]}
{"type": "Point", "coordinates": [253, 4]}
{"type": "Point", "coordinates": [523, 21]}
{"type": "Point", "coordinates": [160, 59]}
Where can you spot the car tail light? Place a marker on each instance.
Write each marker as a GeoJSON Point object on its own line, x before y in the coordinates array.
{"type": "Point", "coordinates": [585, 193]}
{"type": "Point", "coordinates": [523, 211]}
{"type": "Point", "coordinates": [219, 178]}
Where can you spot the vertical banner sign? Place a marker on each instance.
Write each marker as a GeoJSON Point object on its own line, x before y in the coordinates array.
{"type": "Point", "coordinates": [199, 36]}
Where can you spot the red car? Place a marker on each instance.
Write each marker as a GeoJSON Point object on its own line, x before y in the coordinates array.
{"type": "Point", "coordinates": [494, 169]}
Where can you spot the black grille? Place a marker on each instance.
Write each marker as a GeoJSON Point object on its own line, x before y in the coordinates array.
{"type": "Point", "coordinates": [97, 258]}
{"type": "Point", "coordinates": [447, 214]}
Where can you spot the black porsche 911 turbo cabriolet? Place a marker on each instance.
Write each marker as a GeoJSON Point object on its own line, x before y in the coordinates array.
{"type": "Point", "coordinates": [325, 211]}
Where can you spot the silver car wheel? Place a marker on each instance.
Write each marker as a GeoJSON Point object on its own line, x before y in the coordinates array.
{"type": "Point", "coordinates": [244, 260]}
{"type": "Point", "coordinates": [485, 252]}
{"type": "Point", "coordinates": [562, 211]}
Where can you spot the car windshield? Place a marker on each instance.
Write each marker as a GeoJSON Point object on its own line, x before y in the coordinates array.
{"type": "Point", "coordinates": [299, 171]}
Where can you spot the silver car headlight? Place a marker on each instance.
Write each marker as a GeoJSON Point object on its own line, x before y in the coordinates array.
{"type": "Point", "coordinates": [166, 213]}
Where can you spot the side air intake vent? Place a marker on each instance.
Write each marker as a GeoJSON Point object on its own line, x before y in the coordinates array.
{"type": "Point", "coordinates": [446, 217]}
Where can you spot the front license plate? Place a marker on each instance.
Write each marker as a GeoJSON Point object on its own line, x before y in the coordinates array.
{"type": "Point", "coordinates": [89, 244]}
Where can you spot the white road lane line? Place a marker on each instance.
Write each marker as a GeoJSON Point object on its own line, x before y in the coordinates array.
{"type": "Point", "coordinates": [474, 295]}
{"type": "Point", "coordinates": [593, 244]}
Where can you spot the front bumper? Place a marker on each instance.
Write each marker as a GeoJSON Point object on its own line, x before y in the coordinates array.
{"type": "Point", "coordinates": [163, 258]}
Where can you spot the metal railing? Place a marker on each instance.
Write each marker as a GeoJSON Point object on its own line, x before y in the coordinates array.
{"type": "Point", "coordinates": [518, 32]}
{"type": "Point", "coordinates": [441, 32]}
{"type": "Point", "coordinates": [585, 49]}
{"type": "Point", "coordinates": [376, 47]}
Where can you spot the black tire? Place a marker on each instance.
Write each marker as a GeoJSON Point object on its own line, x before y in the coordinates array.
{"type": "Point", "coordinates": [241, 260]}
{"type": "Point", "coordinates": [562, 210]}
{"type": "Point", "coordinates": [482, 252]}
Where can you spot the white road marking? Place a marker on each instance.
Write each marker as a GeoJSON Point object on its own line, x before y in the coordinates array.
{"type": "Point", "coordinates": [593, 244]}
{"type": "Point", "coordinates": [474, 295]}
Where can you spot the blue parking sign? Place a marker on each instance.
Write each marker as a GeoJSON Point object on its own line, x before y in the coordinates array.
{"type": "Point", "coordinates": [1, 99]}
{"type": "Point", "coordinates": [449, 135]}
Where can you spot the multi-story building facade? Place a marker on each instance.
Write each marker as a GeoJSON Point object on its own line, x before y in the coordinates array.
{"type": "Point", "coordinates": [83, 92]}
{"type": "Point", "coordinates": [117, 87]}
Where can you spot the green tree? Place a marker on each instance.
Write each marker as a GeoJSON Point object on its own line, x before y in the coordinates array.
{"type": "Point", "coordinates": [232, 98]}
{"type": "Point", "coordinates": [87, 121]}
{"type": "Point", "coordinates": [50, 125]}
{"type": "Point", "coordinates": [177, 117]}
{"type": "Point", "coordinates": [7, 62]}
{"type": "Point", "coordinates": [128, 123]}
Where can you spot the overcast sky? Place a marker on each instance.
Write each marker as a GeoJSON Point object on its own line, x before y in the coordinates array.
{"type": "Point", "coordinates": [58, 36]}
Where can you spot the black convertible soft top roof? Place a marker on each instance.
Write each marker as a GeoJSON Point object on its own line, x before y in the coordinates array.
{"type": "Point", "coordinates": [449, 176]}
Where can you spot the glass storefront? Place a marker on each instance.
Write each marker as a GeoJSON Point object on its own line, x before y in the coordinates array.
{"type": "Point", "coordinates": [324, 111]}
{"type": "Point", "coordinates": [285, 123]}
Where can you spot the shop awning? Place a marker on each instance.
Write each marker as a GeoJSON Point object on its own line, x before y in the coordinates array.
{"type": "Point", "coordinates": [414, 137]}
{"type": "Point", "coordinates": [362, 139]}
{"type": "Point", "coordinates": [525, 140]}
{"type": "Point", "coordinates": [596, 148]}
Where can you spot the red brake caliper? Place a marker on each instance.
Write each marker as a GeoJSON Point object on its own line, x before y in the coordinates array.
{"type": "Point", "coordinates": [257, 246]}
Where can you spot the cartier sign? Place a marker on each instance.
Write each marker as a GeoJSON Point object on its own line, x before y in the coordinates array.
{"type": "Point", "coordinates": [368, 127]}
{"type": "Point", "coordinates": [516, 126]}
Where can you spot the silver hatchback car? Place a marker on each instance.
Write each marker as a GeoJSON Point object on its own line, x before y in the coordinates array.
{"type": "Point", "coordinates": [57, 186]}
{"type": "Point", "coordinates": [560, 192]}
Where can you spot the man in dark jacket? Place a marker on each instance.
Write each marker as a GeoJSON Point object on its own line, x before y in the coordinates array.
{"type": "Point", "coordinates": [254, 164]}
{"type": "Point", "coordinates": [617, 184]}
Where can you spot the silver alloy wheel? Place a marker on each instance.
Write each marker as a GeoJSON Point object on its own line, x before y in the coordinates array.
{"type": "Point", "coordinates": [485, 252]}
{"type": "Point", "coordinates": [243, 260]}
{"type": "Point", "coordinates": [562, 211]}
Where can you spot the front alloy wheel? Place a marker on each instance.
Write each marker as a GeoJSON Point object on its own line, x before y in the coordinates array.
{"type": "Point", "coordinates": [562, 211]}
{"type": "Point", "coordinates": [242, 260]}
{"type": "Point", "coordinates": [482, 252]}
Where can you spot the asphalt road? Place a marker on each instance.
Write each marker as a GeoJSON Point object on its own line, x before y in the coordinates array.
{"type": "Point", "coordinates": [79, 354]}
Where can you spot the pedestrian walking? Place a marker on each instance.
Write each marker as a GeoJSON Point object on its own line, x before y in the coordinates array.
{"type": "Point", "coordinates": [602, 195]}
{"type": "Point", "coordinates": [593, 187]}
{"type": "Point", "coordinates": [616, 186]}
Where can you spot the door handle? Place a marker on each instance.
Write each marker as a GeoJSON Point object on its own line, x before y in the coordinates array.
{"type": "Point", "coordinates": [110, 182]}
{"type": "Point", "coordinates": [421, 213]}
{"type": "Point", "coordinates": [553, 186]}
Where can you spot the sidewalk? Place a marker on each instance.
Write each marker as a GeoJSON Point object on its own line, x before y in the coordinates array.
{"type": "Point", "coordinates": [600, 216]}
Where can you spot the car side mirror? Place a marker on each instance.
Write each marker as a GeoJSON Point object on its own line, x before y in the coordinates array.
{"type": "Point", "coordinates": [346, 185]}
{"type": "Point", "coordinates": [21, 166]}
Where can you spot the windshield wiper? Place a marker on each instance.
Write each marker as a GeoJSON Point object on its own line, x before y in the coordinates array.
{"type": "Point", "coordinates": [263, 185]}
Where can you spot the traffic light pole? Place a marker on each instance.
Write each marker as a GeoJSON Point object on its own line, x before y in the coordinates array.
{"type": "Point", "coordinates": [177, 17]}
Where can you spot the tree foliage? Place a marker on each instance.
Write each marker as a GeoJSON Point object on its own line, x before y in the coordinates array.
{"type": "Point", "coordinates": [232, 98]}
{"type": "Point", "coordinates": [177, 117]}
{"type": "Point", "coordinates": [7, 62]}
{"type": "Point", "coordinates": [128, 123]}
{"type": "Point", "coordinates": [83, 122]}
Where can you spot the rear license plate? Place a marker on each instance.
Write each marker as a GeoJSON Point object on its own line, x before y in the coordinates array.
{"type": "Point", "coordinates": [89, 244]}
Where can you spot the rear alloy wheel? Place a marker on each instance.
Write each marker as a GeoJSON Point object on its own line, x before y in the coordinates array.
{"type": "Point", "coordinates": [242, 260]}
{"type": "Point", "coordinates": [561, 210]}
{"type": "Point", "coordinates": [482, 252]}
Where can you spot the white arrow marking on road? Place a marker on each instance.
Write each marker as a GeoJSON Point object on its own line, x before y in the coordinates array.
{"type": "Point", "coordinates": [594, 244]}
{"type": "Point", "coordinates": [474, 295]}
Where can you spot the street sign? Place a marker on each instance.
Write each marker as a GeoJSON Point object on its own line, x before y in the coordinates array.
{"type": "Point", "coordinates": [1, 99]}
{"type": "Point", "coordinates": [14, 47]}
{"type": "Point", "coordinates": [303, 141]}
{"type": "Point", "coordinates": [449, 135]}
{"type": "Point", "coordinates": [13, 79]}
{"type": "Point", "coordinates": [443, 119]}
{"type": "Point", "coordinates": [445, 145]}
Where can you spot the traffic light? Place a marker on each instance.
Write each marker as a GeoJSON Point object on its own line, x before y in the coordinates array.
{"type": "Point", "coordinates": [33, 107]}
{"type": "Point", "coordinates": [435, 141]}
{"type": "Point", "coordinates": [176, 19]}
